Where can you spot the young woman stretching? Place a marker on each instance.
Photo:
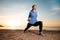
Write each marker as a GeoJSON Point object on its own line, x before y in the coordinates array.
{"type": "Point", "coordinates": [33, 20]}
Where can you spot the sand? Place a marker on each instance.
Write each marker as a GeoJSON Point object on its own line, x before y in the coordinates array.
{"type": "Point", "coordinates": [7, 34]}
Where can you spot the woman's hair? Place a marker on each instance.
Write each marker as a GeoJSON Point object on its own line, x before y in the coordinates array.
{"type": "Point", "coordinates": [33, 6]}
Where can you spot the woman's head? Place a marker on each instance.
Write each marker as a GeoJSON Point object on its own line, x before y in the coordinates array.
{"type": "Point", "coordinates": [34, 7]}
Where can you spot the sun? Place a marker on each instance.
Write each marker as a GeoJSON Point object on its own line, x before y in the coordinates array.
{"type": "Point", "coordinates": [13, 23]}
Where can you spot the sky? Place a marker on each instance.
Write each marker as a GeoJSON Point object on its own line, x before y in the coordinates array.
{"type": "Point", "coordinates": [15, 12]}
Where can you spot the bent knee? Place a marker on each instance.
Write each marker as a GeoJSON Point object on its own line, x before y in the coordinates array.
{"type": "Point", "coordinates": [40, 21]}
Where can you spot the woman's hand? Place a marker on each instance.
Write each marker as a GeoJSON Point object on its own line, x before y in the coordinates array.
{"type": "Point", "coordinates": [29, 19]}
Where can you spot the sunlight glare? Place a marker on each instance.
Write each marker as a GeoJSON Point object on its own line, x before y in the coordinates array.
{"type": "Point", "coordinates": [13, 23]}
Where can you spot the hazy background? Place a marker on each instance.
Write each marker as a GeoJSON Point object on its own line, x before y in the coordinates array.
{"type": "Point", "coordinates": [14, 13]}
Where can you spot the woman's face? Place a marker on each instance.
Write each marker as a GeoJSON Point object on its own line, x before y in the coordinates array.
{"type": "Point", "coordinates": [35, 7]}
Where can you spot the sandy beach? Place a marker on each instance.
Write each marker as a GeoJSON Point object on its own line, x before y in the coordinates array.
{"type": "Point", "coordinates": [8, 34]}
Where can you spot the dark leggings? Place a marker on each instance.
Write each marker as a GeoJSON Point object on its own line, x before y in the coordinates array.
{"type": "Point", "coordinates": [36, 24]}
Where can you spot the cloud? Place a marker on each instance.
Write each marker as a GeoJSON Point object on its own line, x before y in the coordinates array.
{"type": "Point", "coordinates": [56, 8]}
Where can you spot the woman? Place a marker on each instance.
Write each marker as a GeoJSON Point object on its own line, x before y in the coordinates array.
{"type": "Point", "coordinates": [33, 20]}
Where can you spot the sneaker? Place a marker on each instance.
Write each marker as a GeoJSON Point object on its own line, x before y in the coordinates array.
{"type": "Point", "coordinates": [24, 31]}
{"type": "Point", "coordinates": [41, 33]}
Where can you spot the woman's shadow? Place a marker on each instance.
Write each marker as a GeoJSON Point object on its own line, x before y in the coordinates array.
{"type": "Point", "coordinates": [34, 32]}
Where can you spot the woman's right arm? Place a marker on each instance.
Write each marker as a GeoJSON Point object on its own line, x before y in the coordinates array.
{"type": "Point", "coordinates": [29, 17]}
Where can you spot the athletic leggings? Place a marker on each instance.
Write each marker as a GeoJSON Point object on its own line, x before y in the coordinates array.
{"type": "Point", "coordinates": [38, 23]}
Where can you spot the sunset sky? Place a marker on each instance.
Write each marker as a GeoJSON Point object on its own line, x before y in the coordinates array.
{"type": "Point", "coordinates": [15, 12]}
